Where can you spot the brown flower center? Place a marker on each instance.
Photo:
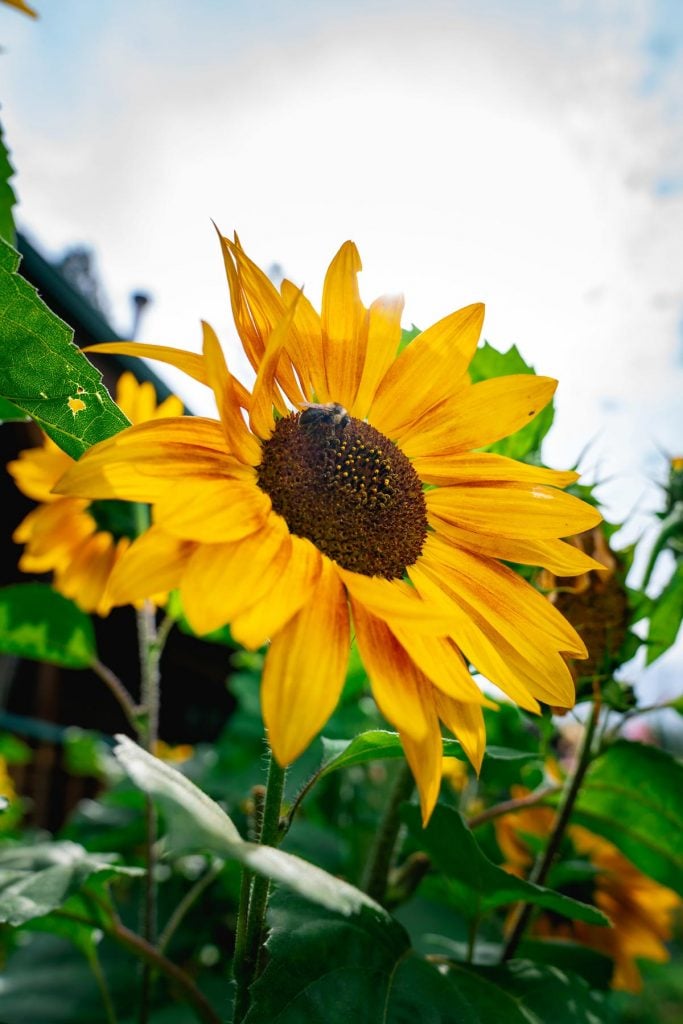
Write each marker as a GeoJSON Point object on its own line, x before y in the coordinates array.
{"type": "Point", "coordinates": [347, 488]}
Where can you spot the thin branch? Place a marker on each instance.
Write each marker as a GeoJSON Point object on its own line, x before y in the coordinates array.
{"type": "Point", "coordinates": [188, 900]}
{"type": "Point", "coordinates": [539, 872]}
{"type": "Point", "coordinates": [119, 692]}
{"type": "Point", "coordinates": [508, 806]}
{"type": "Point", "coordinates": [148, 954]}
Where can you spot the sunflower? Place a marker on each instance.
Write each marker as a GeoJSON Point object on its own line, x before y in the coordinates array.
{"type": "Point", "coordinates": [347, 491]}
{"type": "Point", "coordinates": [640, 909]}
{"type": "Point", "coordinates": [69, 536]}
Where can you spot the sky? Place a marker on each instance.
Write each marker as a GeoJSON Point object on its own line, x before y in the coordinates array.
{"type": "Point", "coordinates": [524, 153]}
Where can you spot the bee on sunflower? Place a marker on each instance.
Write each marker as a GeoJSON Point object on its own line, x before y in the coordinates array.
{"type": "Point", "coordinates": [349, 492]}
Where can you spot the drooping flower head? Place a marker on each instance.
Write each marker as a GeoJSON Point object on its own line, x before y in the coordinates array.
{"type": "Point", "coordinates": [641, 910]}
{"type": "Point", "coordinates": [346, 493]}
{"type": "Point", "coordinates": [78, 541]}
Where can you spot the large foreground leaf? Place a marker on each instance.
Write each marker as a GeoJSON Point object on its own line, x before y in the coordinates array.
{"type": "Point", "coordinates": [477, 884]}
{"type": "Point", "coordinates": [7, 197]}
{"type": "Point", "coordinates": [43, 373]}
{"type": "Point", "coordinates": [326, 969]}
{"type": "Point", "coordinates": [633, 796]}
{"type": "Point", "coordinates": [37, 622]}
{"type": "Point", "coordinates": [194, 821]}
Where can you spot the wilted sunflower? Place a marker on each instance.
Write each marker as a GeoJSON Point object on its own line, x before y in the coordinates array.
{"type": "Point", "coordinates": [353, 493]}
{"type": "Point", "coordinates": [78, 540]}
{"type": "Point", "coordinates": [640, 909]}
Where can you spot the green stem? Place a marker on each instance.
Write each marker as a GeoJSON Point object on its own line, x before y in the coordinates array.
{"type": "Point", "coordinates": [143, 950]}
{"type": "Point", "coordinates": [96, 968]}
{"type": "Point", "coordinates": [150, 693]}
{"type": "Point", "coordinates": [543, 864]}
{"type": "Point", "coordinates": [376, 872]}
{"type": "Point", "coordinates": [254, 896]}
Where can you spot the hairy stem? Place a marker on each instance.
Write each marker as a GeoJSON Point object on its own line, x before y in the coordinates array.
{"type": "Point", "coordinates": [377, 868]}
{"type": "Point", "coordinates": [542, 866]}
{"type": "Point", "coordinates": [254, 896]}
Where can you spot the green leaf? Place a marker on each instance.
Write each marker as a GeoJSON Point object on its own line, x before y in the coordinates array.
{"type": "Point", "coordinates": [37, 622]}
{"type": "Point", "coordinates": [666, 616]}
{"type": "Point", "coordinates": [326, 969]}
{"type": "Point", "coordinates": [526, 993]}
{"type": "Point", "coordinates": [488, 362]}
{"type": "Point", "coordinates": [43, 373]}
{"type": "Point", "coordinates": [194, 821]}
{"type": "Point", "coordinates": [7, 196]}
{"type": "Point", "coordinates": [596, 968]}
{"type": "Point", "coordinates": [633, 796]}
{"type": "Point", "coordinates": [477, 884]}
{"type": "Point", "coordinates": [35, 880]}
{"type": "Point", "coordinates": [408, 335]}
{"type": "Point", "coordinates": [380, 745]}
{"type": "Point", "coordinates": [10, 414]}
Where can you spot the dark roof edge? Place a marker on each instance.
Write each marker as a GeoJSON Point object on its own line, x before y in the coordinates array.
{"type": "Point", "coordinates": [47, 279]}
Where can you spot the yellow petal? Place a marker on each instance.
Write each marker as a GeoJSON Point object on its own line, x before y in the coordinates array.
{"type": "Point", "coordinates": [427, 371]}
{"type": "Point", "coordinates": [266, 394]}
{"type": "Point", "coordinates": [514, 652]}
{"type": "Point", "coordinates": [37, 470]}
{"type": "Point", "coordinates": [383, 339]}
{"type": "Point", "coordinates": [441, 662]}
{"type": "Point", "coordinates": [85, 578]}
{"type": "Point", "coordinates": [241, 442]}
{"type": "Point", "coordinates": [425, 757]}
{"type": "Point", "coordinates": [258, 308]}
{"type": "Point", "coordinates": [535, 512]}
{"type": "Point", "coordinates": [485, 467]}
{"type": "Point", "coordinates": [466, 722]}
{"type": "Point", "coordinates": [305, 344]}
{"type": "Point", "coordinates": [478, 415]}
{"type": "Point", "coordinates": [140, 463]}
{"type": "Point", "coordinates": [508, 601]}
{"type": "Point", "coordinates": [397, 603]}
{"type": "Point", "coordinates": [212, 511]}
{"type": "Point", "coordinates": [305, 668]}
{"type": "Point", "coordinates": [222, 580]}
{"type": "Point", "coordinates": [22, 6]}
{"type": "Point", "coordinates": [555, 555]}
{"type": "Point", "coordinates": [398, 685]}
{"type": "Point", "coordinates": [344, 341]}
{"type": "Point", "coordinates": [288, 594]}
{"type": "Point", "coordinates": [472, 636]}
{"type": "Point", "coordinates": [189, 362]}
{"type": "Point", "coordinates": [153, 564]}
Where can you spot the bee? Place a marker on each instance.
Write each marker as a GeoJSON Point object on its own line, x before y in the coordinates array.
{"type": "Point", "coordinates": [330, 413]}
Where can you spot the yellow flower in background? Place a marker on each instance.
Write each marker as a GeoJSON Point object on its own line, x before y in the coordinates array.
{"type": "Point", "coordinates": [65, 536]}
{"type": "Point", "coordinates": [641, 910]}
{"type": "Point", "coordinates": [346, 492]}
